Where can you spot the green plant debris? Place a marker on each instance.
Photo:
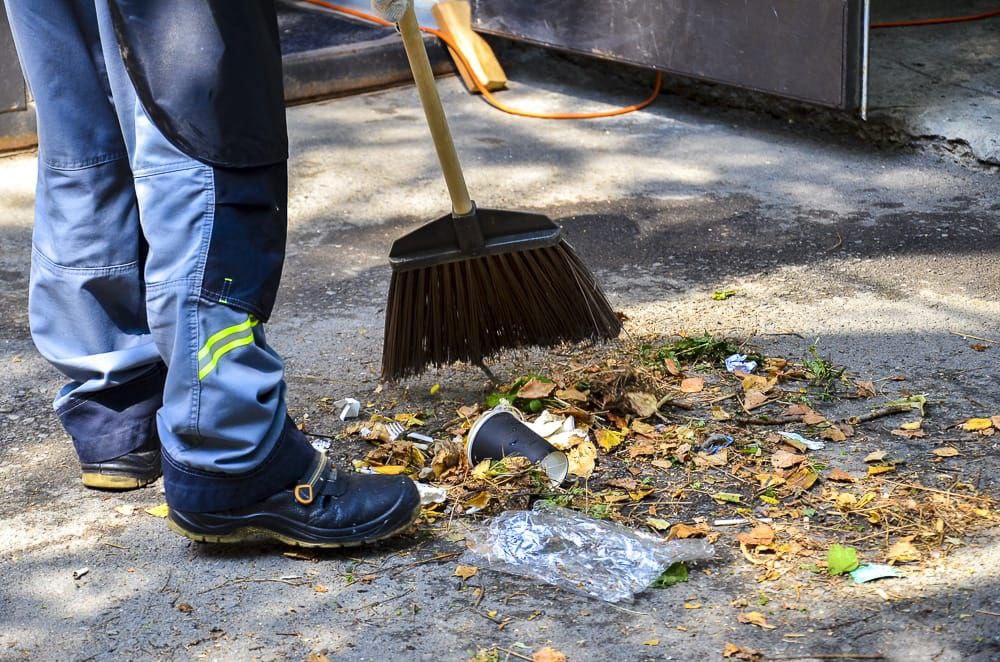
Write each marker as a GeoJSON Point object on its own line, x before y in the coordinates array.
{"type": "Point", "coordinates": [675, 574]}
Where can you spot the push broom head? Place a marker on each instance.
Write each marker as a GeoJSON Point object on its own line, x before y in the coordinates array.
{"type": "Point", "coordinates": [469, 288]}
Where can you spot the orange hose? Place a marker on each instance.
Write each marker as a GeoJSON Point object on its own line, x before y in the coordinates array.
{"type": "Point", "coordinates": [487, 95]}
{"type": "Point", "coordinates": [937, 21]}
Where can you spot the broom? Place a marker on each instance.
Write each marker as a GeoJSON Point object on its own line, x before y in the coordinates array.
{"type": "Point", "coordinates": [478, 282]}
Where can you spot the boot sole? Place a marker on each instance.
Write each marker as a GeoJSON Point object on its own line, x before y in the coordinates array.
{"type": "Point", "coordinates": [96, 481]}
{"type": "Point", "coordinates": [250, 533]}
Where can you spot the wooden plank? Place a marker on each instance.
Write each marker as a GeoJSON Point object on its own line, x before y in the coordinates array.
{"type": "Point", "coordinates": [454, 18]}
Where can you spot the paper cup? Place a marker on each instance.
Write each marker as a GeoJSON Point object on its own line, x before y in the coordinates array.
{"type": "Point", "coordinates": [501, 433]}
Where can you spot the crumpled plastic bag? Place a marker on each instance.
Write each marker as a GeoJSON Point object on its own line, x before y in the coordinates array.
{"type": "Point", "coordinates": [578, 553]}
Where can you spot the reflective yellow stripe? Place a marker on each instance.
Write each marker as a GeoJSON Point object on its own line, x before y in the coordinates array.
{"type": "Point", "coordinates": [222, 351]}
{"type": "Point", "coordinates": [225, 333]}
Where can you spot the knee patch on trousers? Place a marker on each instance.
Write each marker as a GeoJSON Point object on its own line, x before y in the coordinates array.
{"type": "Point", "coordinates": [247, 249]}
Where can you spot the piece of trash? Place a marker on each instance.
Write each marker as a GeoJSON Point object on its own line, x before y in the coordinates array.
{"type": "Point", "coordinates": [430, 494]}
{"type": "Point", "coordinates": [739, 363]}
{"type": "Point", "coordinates": [420, 437]}
{"type": "Point", "coordinates": [565, 548]}
{"type": "Point", "coordinates": [501, 432]}
{"type": "Point", "coordinates": [869, 572]}
{"type": "Point", "coordinates": [716, 443]}
{"type": "Point", "coordinates": [808, 443]}
{"type": "Point", "coordinates": [80, 573]}
{"type": "Point", "coordinates": [348, 407]}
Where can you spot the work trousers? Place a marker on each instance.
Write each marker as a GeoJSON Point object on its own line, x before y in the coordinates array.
{"type": "Point", "coordinates": [152, 274]}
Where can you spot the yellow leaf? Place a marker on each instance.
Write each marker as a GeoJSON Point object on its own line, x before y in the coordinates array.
{"type": "Point", "coordinates": [390, 470]}
{"type": "Point", "coordinates": [159, 511]}
{"type": "Point", "coordinates": [658, 524]}
{"type": "Point", "coordinates": [755, 618]}
{"type": "Point", "coordinates": [639, 495]}
{"type": "Point", "coordinates": [409, 420]}
{"type": "Point", "coordinates": [482, 470]}
{"type": "Point", "coordinates": [720, 414]}
{"type": "Point", "coordinates": [912, 425]}
{"type": "Point", "coordinates": [608, 439]}
{"type": "Point", "coordinates": [692, 605]}
{"type": "Point", "coordinates": [651, 642]}
{"type": "Point", "coordinates": [881, 469]}
{"type": "Point", "coordinates": [756, 383]}
{"type": "Point", "coordinates": [582, 458]}
{"type": "Point", "coordinates": [435, 389]}
{"type": "Point", "coordinates": [693, 385]}
{"type": "Point", "coordinates": [465, 571]}
{"type": "Point", "coordinates": [536, 389]}
{"type": "Point", "coordinates": [319, 588]}
{"type": "Point", "coordinates": [478, 502]}
{"type": "Point", "coordinates": [769, 500]}
{"type": "Point", "coordinates": [946, 451]}
{"type": "Point", "coordinates": [977, 424]}
{"type": "Point", "coordinates": [727, 497]}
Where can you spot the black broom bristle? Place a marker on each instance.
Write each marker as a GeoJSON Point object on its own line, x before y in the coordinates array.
{"type": "Point", "coordinates": [477, 308]}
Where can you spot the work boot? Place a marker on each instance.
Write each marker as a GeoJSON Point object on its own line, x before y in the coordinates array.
{"type": "Point", "coordinates": [130, 471]}
{"type": "Point", "coordinates": [327, 508]}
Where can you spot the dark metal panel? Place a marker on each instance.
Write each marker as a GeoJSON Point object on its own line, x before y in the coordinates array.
{"type": "Point", "coordinates": [12, 88]}
{"type": "Point", "coordinates": [807, 50]}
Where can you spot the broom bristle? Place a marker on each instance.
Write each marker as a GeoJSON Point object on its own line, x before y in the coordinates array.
{"type": "Point", "coordinates": [475, 309]}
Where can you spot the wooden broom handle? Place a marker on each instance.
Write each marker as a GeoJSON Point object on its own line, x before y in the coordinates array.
{"type": "Point", "coordinates": [420, 65]}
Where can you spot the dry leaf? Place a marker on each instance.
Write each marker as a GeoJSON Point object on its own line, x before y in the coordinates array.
{"type": "Point", "coordinates": [651, 642]}
{"type": "Point", "coordinates": [692, 605]}
{"type": "Point", "coordinates": [662, 464]}
{"type": "Point", "coordinates": [902, 552]}
{"type": "Point", "coordinates": [813, 418]}
{"type": "Point", "coordinates": [785, 460]}
{"type": "Point", "coordinates": [693, 385]}
{"type": "Point", "coordinates": [469, 411]}
{"type": "Point", "coordinates": [478, 502]}
{"type": "Point", "coordinates": [738, 653]}
{"type": "Point", "coordinates": [683, 531]}
{"type": "Point", "coordinates": [536, 389]}
{"type": "Point", "coordinates": [319, 588]}
{"type": "Point", "coordinates": [582, 459]}
{"type": "Point", "coordinates": [548, 654]}
{"type": "Point", "coordinates": [672, 367]}
{"type": "Point", "coordinates": [880, 469]}
{"type": "Point", "coordinates": [911, 425]}
{"type": "Point", "coordinates": [643, 404]}
{"type": "Point", "coordinates": [465, 571]}
{"type": "Point", "coordinates": [390, 470]}
{"type": "Point", "coordinates": [802, 479]}
{"type": "Point", "coordinates": [572, 395]}
{"type": "Point", "coordinates": [719, 459]}
{"type": "Point", "coordinates": [757, 383]}
{"type": "Point", "coordinates": [754, 399]}
{"type": "Point", "coordinates": [754, 618]}
{"type": "Point", "coordinates": [909, 434]}
{"type": "Point", "coordinates": [977, 424]}
{"type": "Point", "coordinates": [185, 608]}
{"type": "Point", "coordinates": [762, 534]}
{"type": "Point", "coordinates": [996, 422]}
{"type": "Point", "coordinates": [865, 389]}
{"type": "Point", "coordinates": [126, 509]}
{"type": "Point", "coordinates": [875, 456]}
{"type": "Point", "coordinates": [946, 451]}
{"type": "Point", "coordinates": [317, 657]}
{"type": "Point", "coordinates": [833, 433]}
{"type": "Point", "coordinates": [720, 414]}
{"type": "Point", "coordinates": [840, 476]}
{"type": "Point", "coordinates": [609, 439]}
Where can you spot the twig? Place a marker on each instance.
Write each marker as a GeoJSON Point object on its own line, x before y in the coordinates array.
{"type": "Point", "coordinates": [840, 242]}
{"type": "Point", "coordinates": [320, 436]}
{"type": "Point", "coordinates": [667, 400]}
{"type": "Point", "coordinates": [880, 413]}
{"type": "Point", "coordinates": [912, 486]}
{"type": "Point", "coordinates": [435, 559]}
{"type": "Point", "coordinates": [252, 580]}
{"type": "Point", "coordinates": [382, 602]}
{"type": "Point", "coordinates": [170, 574]}
{"type": "Point", "coordinates": [517, 655]}
{"type": "Point", "coordinates": [971, 337]}
{"type": "Point", "coordinates": [988, 613]}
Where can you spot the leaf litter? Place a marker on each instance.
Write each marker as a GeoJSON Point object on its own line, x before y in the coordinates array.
{"type": "Point", "coordinates": [632, 417]}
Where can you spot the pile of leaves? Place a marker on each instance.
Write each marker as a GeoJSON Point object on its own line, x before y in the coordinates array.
{"type": "Point", "coordinates": [661, 435]}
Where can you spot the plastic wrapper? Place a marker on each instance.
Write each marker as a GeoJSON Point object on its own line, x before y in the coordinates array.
{"type": "Point", "coordinates": [568, 549]}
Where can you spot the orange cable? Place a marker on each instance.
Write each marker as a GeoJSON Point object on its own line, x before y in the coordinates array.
{"type": "Point", "coordinates": [487, 95]}
{"type": "Point", "coordinates": [937, 21]}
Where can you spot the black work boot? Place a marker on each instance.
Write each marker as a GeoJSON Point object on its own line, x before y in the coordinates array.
{"type": "Point", "coordinates": [327, 508]}
{"type": "Point", "coordinates": [130, 471]}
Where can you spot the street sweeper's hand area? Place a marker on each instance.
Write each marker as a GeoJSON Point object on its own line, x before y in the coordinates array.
{"type": "Point", "coordinates": [391, 10]}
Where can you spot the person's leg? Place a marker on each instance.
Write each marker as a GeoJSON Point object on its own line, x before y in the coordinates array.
{"type": "Point", "coordinates": [86, 295]}
{"type": "Point", "coordinates": [234, 464]}
{"type": "Point", "coordinates": [226, 437]}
